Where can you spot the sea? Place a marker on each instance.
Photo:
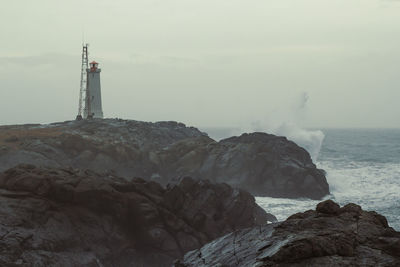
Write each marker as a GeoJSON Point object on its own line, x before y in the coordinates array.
{"type": "Point", "coordinates": [362, 167]}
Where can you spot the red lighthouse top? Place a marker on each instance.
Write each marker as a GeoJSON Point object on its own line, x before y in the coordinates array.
{"type": "Point", "coordinates": [93, 66]}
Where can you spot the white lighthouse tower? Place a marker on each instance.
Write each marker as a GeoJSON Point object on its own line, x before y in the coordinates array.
{"type": "Point", "coordinates": [90, 90]}
{"type": "Point", "coordinates": [93, 107]}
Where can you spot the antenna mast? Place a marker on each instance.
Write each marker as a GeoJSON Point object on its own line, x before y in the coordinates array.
{"type": "Point", "coordinates": [83, 85]}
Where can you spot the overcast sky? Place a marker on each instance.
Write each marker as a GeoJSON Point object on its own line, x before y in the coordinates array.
{"type": "Point", "coordinates": [326, 63]}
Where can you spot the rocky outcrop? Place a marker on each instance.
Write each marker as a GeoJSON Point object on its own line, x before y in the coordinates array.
{"type": "Point", "coordinates": [123, 147]}
{"type": "Point", "coordinates": [67, 217]}
{"type": "Point", "coordinates": [263, 164]}
{"type": "Point", "coordinates": [328, 236]}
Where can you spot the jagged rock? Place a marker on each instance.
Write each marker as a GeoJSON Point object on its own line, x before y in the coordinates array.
{"type": "Point", "coordinates": [328, 236]}
{"type": "Point", "coordinates": [263, 164]}
{"type": "Point", "coordinates": [67, 217]}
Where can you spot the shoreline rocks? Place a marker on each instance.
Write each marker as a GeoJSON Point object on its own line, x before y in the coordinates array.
{"type": "Point", "coordinates": [68, 217]}
{"type": "Point", "coordinates": [263, 164]}
{"type": "Point", "coordinates": [328, 236]}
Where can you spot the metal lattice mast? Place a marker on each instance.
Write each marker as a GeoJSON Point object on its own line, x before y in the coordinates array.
{"type": "Point", "coordinates": [83, 85]}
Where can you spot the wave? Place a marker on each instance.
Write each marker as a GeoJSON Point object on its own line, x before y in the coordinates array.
{"type": "Point", "coordinates": [374, 186]}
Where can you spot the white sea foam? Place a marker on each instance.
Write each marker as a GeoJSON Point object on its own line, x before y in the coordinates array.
{"type": "Point", "coordinates": [282, 208]}
{"type": "Point", "coordinates": [374, 186]}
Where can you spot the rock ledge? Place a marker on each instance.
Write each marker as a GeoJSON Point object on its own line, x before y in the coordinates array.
{"type": "Point", "coordinates": [327, 236]}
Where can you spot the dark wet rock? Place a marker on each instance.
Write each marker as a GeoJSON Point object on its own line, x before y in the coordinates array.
{"type": "Point", "coordinates": [68, 217]}
{"type": "Point", "coordinates": [327, 236]}
{"type": "Point", "coordinates": [328, 207]}
{"type": "Point", "coordinates": [263, 164]}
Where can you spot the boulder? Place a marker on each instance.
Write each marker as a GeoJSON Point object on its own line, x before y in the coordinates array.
{"type": "Point", "coordinates": [69, 217]}
{"type": "Point", "coordinates": [327, 236]}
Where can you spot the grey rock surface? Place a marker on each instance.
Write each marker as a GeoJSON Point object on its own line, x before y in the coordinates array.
{"type": "Point", "coordinates": [327, 236]}
{"type": "Point", "coordinates": [67, 217]}
{"type": "Point", "coordinates": [263, 164]}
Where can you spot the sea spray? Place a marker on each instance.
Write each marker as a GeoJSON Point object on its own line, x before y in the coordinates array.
{"type": "Point", "coordinates": [310, 140]}
{"type": "Point", "coordinates": [283, 121]}
{"type": "Point", "coordinates": [286, 121]}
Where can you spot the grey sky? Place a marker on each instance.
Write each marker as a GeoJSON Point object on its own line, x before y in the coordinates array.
{"type": "Point", "coordinates": [205, 62]}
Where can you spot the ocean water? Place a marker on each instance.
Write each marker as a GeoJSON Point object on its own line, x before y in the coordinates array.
{"type": "Point", "coordinates": [363, 167]}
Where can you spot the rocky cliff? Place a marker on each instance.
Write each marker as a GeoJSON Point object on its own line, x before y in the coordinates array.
{"type": "Point", "coordinates": [328, 236]}
{"type": "Point", "coordinates": [67, 217]}
{"type": "Point", "coordinates": [263, 164]}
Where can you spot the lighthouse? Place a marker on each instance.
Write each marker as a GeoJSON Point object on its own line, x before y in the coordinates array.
{"type": "Point", "coordinates": [90, 90]}
{"type": "Point", "coordinates": [93, 107]}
